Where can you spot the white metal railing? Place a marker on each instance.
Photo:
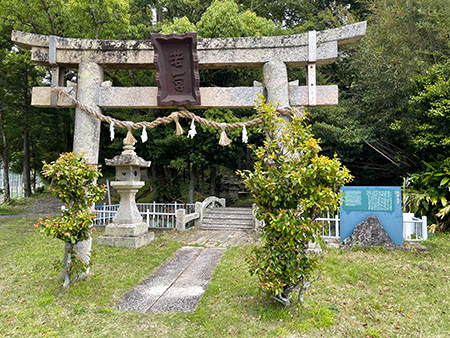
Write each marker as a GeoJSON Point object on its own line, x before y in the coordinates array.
{"type": "Point", "coordinates": [330, 226]}
{"type": "Point", "coordinates": [213, 201]}
{"type": "Point", "coordinates": [156, 215]}
{"type": "Point", "coordinates": [16, 184]}
{"type": "Point", "coordinates": [105, 214]}
{"type": "Point", "coordinates": [164, 215]}
{"type": "Point", "coordinates": [414, 228]}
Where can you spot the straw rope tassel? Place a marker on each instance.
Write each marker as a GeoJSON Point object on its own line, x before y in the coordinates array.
{"type": "Point", "coordinates": [179, 130]}
{"type": "Point", "coordinates": [224, 140]}
{"type": "Point", "coordinates": [129, 140]}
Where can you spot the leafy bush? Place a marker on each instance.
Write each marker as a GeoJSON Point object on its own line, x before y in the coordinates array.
{"type": "Point", "coordinates": [430, 105]}
{"type": "Point", "coordinates": [292, 185]}
{"type": "Point", "coordinates": [427, 192]}
{"type": "Point", "coordinates": [73, 182]}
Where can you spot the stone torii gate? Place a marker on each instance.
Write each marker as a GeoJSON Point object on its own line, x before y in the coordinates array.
{"type": "Point", "coordinates": [273, 54]}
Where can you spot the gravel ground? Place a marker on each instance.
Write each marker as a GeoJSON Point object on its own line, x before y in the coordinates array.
{"type": "Point", "coordinates": [48, 204]}
{"type": "Point", "coordinates": [36, 205]}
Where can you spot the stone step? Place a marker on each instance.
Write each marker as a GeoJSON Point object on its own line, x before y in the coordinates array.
{"type": "Point", "coordinates": [227, 227]}
{"type": "Point", "coordinates": [229, 221]}
{"type": "Point", "coordinates": [246, 211]}
{"type": "Point", "coordinates": [227, 216]}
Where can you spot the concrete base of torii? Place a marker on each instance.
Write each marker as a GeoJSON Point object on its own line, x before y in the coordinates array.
{"type": "Point", "coordinates": [127, 230]}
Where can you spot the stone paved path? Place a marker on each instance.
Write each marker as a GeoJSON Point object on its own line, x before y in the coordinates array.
{"type": "Point", "coordinates": [214, 238]}
{"type": "Point", "coordinates": [176, 285]}
{"type": "Point", "coordinates": [180, 283]}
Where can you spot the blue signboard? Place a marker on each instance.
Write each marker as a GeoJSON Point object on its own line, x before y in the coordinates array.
{"type": "Point", "coordinates": [383, 202]}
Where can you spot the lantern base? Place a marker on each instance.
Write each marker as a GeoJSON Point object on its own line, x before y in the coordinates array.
{"type": "Point", "coordinates": [126, 230]}
{"type": "Point", "coordinates": [127, 242]}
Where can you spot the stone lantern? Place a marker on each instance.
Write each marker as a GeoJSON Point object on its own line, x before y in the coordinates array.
{"type": "Point", "coordinates": [127, 229]}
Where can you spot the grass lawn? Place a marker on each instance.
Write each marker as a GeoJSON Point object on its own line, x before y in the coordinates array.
{"type": "Point", "coordinates": [360, 294]}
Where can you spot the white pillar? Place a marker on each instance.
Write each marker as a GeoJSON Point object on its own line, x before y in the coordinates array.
{"type": "Point", "coordinates": [181, 219]}
{"type": "Point", "coordinates": [199, 210]}
{"type": "Point", "coordinates": [424, 228]}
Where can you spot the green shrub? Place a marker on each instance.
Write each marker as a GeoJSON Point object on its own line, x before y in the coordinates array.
{"type": "Point", "coordinates": [74, 183]}
{"type": "Point", "coordinates": [292, 185]}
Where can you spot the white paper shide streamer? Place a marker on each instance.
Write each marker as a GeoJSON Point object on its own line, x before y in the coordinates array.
{"type": "Point", "coordinates": [244, 135]}
{"type": "Point", "coordinates": [111, 131]}
{"type": "Point", "coordinates": [192, 132]}
{"type": "Point", "coordinates": [144, 136]}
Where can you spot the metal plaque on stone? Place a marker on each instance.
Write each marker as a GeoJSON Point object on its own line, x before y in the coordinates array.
{"type": "Point", "coordinates": [177, 73]}
{"type": "Point", "coordinates": [383, 202]}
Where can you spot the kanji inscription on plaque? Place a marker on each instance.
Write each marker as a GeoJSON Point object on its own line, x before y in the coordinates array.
{"type": "Point", "coordinates": [177, 73]}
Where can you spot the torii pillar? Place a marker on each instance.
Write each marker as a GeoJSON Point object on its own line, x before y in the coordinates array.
{"type": "Point", "coordinates": [87, 132]}
{"type": "Point", "coordinates": [87, 128]}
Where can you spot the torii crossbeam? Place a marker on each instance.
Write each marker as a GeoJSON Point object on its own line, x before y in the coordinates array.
{"type": "Point", "coordinates": [273, 54]}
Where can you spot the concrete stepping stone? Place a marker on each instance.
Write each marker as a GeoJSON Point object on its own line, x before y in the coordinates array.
{"type": "Point", "coordinates": [178, 284]}
{"type": "Point", "coordinates": [185, 293]}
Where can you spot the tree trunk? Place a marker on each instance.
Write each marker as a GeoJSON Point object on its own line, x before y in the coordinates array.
{"type": "Point", "coordinates": [212, 180]}
{"type": "Point", "coordinates": [6, 187]}
{"type": "Point", "coordinates": [26, 163]}
{"type": "Point", "coordinates": [153, 184]}
{"type": "Point", "coordinates": [5, 161]}
{"type": "Point", "coordinates": [34, 181]}
{"type": "Point", "coordinates": [94, 18]}
{"type": "Point", "coordinates": [192, 175]}
{"type": "Point", "coordinates": [239, 160]}
{"type": "Point", "coordinates": [285, 296]}
{"type": "Point", "coordinates": [80, 250]}
{"type": "Point", "coordinates": [26, 140]}
{"type": "Point", "coordinates": [249, 159]}
{"type": "Point", "coordinates": [203, 181]}
{"type": "Point", "coordinates": [47, 9]}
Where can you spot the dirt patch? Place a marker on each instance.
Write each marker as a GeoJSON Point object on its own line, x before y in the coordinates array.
{"type": "Point", "coordinates": [37, 204]}
{"type": "Point", "coordinates": [48, 204]}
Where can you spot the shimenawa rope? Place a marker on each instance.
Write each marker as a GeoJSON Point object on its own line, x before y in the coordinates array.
{"type": "Point", "coordinates": [173, 117]}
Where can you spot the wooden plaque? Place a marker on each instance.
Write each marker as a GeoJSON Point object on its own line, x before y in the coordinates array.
{"type": "Point", "coordinates": [177, 73]}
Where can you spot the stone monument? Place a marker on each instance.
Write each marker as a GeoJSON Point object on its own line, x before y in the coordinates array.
{"type": "Point", "coordinates": [369, 234]}
{"type": "Point", "coordinates": [360, 202]}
